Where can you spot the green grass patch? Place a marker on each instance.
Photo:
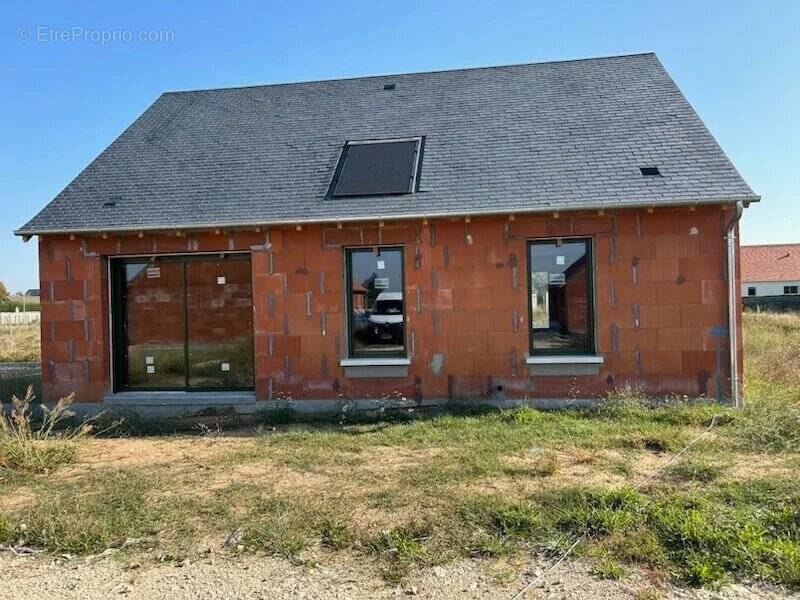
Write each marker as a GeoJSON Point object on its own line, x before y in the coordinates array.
{"type": "Point", "coordinates": [696, 469]}
{"type": "Point", "coordinates": [68, 518]}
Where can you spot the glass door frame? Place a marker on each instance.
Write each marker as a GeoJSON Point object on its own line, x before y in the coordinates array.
{"type": "Point", "coordinates": [118, 314]}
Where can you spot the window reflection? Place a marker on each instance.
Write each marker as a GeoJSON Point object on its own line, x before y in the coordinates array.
{"type": "Point", "coordinates": [377, 318]}
{"type": "Point", "coordinates": [560, 287]}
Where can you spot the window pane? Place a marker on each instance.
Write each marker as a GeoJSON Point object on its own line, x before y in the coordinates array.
{"type": "Point", "coordinates": [377, 302]}
{"type": "Point", "coordinates": [220, 323]}
{"type": "Point", "coordinates": [560, 291]}
{"type": "Point", "coordinates": [154, 324]}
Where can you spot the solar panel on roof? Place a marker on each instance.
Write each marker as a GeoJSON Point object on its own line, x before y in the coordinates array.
{"type": "Point", "coordinates": [376, 168]}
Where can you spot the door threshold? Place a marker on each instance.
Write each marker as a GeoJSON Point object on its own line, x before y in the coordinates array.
{"type": "Point", "coordinates": [180, 398]}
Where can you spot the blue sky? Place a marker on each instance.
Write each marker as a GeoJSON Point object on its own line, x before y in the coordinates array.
{"type": "Point", "coordinates": [63, 100]}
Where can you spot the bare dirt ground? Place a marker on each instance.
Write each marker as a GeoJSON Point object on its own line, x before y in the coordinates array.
{"type": "Point", "coordinates": [255, 577]}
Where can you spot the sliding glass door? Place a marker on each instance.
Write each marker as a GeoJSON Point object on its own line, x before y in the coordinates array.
{"type": "Point", "coordinates": [183, 323]}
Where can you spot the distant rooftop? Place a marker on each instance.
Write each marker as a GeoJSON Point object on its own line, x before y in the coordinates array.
{"type": "Point", "coordinates": [604, 132]}
{"type": "Point", "coordinates": [772, 262]}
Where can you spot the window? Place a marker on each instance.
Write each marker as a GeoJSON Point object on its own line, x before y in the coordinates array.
{"type": "Point", "coordinates": [650, 171]}
{"type": "Point", "coordinates": [376, 302]}
{"type": "Point", "coordinates": [374, 168]}
{"type": "Point", "coordinates": [751, 291]}
{"type": "Point", "coordinates": [790, 289]}
{"type": "Point", "coordinates": [560, 286]}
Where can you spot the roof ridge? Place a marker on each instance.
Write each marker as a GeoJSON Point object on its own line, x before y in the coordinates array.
{"type": "Point", "coordinates": [428, 72]}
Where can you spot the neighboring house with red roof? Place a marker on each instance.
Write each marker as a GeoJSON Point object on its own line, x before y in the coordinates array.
{"type": "Point", "coordinates": [770, 270]}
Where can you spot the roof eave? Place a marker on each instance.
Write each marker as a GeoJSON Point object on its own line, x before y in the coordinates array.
{"type": "Point", "coordinates": [746, 198]}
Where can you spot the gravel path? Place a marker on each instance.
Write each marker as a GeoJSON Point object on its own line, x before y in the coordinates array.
{"type": "Point", "coordinates": [345, 578]}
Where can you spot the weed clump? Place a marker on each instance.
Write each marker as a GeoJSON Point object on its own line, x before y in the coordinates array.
{"type": "Point", "coordinates": [33, 443]}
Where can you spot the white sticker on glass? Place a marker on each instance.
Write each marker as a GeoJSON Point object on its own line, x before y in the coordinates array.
{"type": "Point", "coordinates": [381, 283]}
{"type": "Point", "coordinates": [560, 260]}
{"type": "Point", "coordinates": [381, 264]}
{"type": "Point", "coordinates": [153, 272]}
{"type": "Point", "coordinates": [220, 280]}
{"type": "Point", "coordinates": [151, 369]}
{"type": "Point", "coordinates": [225, 366]}
{"type": "Point", "coordinates": [149, 360]}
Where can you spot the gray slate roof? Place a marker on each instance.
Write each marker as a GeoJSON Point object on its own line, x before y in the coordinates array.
{"type": "Point", "coordinates": [543, 136]}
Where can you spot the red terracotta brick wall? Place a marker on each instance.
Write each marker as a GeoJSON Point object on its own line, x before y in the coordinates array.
{"type": "Point", "coordinates": [659, 285]}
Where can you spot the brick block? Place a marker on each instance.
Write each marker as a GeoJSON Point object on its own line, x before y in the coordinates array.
{"type": "Point", "coordinates": [620, 362]}
{"type": "Point", "coordinates": [68, 290]}
{"type": "Point", "coordinates": [69, 330]}
{"type": "Point", "coordinates": [456, 320]}
{"type": "Point", "coordinates": [439, 299]}
{"type": "Point", "coordinates": [643, 293]}
{"type": "Point", "coordinates": [286, 345]}
{"type": "Point", "coordinates": [661, 362]}
{"type": "Point", "coordinates": [529, 227]}
{"type": "Point", "coordinates": [288, 262]}
{"type": "Point", "coordinates": [696, 361]}
{"type": "Point", "coordinates": [300, 325]}
{"type": "Point", "coordinates": [299, 280]}
{"type": "Point", "coordinates": [503, 342]}
{"type": "Point", "coordinates": [714, 291]}
{"type": "Point", "coordinates": [495, 321]}
{"type": "Point", "coordinates": [687, 292]}
{"type": "Point", "coordinates": [459, 342]}
{"type": "Point", "coordinates": [593, 225]}
{"type": "Point", "coordinates": [298, 304]}
{"type": "Point", "coordinates": [498, 365]}
{"type": "Point", "coordinates": [700, 268]}
{"type": "Point", "coordinates": [330, 302]}
{"type": "Point", "coordinates": [712, 245]}
{"type": "Point", "coordinates": [462, 364]}
{"type": "Point", "coordinates": [452, 233]}
{"type": "Point", "coordinates": [627, 248]}
{"type": "Point", "coordinates": [55, 270]}
{"type": "Point", "coordinates": [491, 276]}
{"type": "Point", "coordinates": [455, 278]}
{"type": "Point", "coordinates": [677, 246]}
{"type": "Point", "coordinates": [270, 366]}
{"type": "Point", "coordinates": [660, 316]}
{"type": "Point", "coordinates": [703, 315]}
{"type": "Point", "coordinates": [401, 234]}
{"type": "Point", "coordinates": [347, 236]}
{"type": "Point", "coordinates": [658, 223]}
{"type": "Point", "coordinates": [630, 340]}
{"type": "Point", "coordinates": [476, 298]}
{"type": "Point", "coordinates": [69, 372]}
{"type": "Point", "coordinates": [680, 339]}
{"type": "Point", "coordinates": [657, 270]}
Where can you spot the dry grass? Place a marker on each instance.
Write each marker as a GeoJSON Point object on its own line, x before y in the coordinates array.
{"type": "Point", "coordinates": [20, 343]}
{"type": "Point", "coordinates": [34, 441]}
{"type": "Point", "coordinates": [491, 484]}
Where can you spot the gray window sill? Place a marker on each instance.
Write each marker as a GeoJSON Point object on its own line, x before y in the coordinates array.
{"type": "Point", "coordinates": [374, 362]}
{"type": "Point", "coordinates": [375, 367]}
{"type": "Point", "coordinates": [561, 359]}
{"type": "Point", "coordinates": [564, 364]}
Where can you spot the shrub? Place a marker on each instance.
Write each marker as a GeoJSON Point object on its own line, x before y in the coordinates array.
{"type": "Point", "coordinates": [523, 416]}
{"type": "Point", "coordinates": [30, 443]}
